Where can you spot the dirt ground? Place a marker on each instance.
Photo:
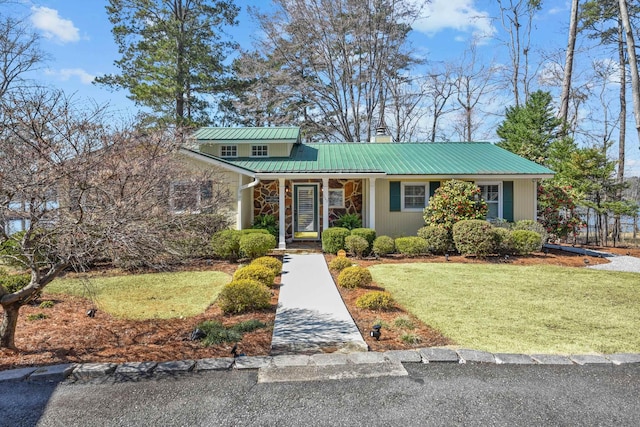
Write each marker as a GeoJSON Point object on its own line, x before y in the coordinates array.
{"type": "Point", "coordinates": [68, 335]}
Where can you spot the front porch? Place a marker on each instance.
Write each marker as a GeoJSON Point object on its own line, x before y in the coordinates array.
{"type": "Point", "coordinates": [309, 206]}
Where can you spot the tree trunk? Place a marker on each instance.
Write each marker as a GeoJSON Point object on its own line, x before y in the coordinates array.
{"type": "Point", "coordinates": [622, 136]}
{"type": "Point", "coordinates": [8, 326]}
{"type": "Point", "coordinates": [568, 65]}
{"type": "Point", "coordinates": [633, 62]}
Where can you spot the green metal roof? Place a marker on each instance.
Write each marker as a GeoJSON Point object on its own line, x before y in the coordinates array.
{"type": "Point", "coordinates": [447, 158]}
{"type": "Point", "coordinates": [248, 134]}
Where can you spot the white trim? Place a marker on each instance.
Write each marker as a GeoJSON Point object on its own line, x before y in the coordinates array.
{"type": "Point", "coordinates": [414, 184]}
{"type": "Point", "coordinates": [259, 156]}
{"type": "Point", "coordinates": [372, 203]}
{"type": "Point", "coordinates": [282, 242]}
{"type": "Point", "coordinates": [325, 204]}
{"type": "Point", "coordinates": [500, 195]}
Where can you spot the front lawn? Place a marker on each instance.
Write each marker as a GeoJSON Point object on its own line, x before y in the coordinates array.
{"type": "Point", "coordinates": [532, 309]}
{"type": "Point", "coordinates": [148, 296]}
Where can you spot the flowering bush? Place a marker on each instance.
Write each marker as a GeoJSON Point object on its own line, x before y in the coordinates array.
{"type": "Point", "coordinates": [455, 201]}
{"type": "Point", "coordinates": [557, 210]}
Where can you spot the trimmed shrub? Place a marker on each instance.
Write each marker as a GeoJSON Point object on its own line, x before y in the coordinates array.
{"type": "Point", "coordinates": [354, 277]}
{"type": "Point", "coordinates": [474, 237]}
{"type": "Point", "coordinates": [260, 273]}
{"type": "Point", "coordinates": [383, 245]}
{"type": "Point", "coordinates": [274, 264]}
{"type": "Point", "coordinates": [255, 245]}
{"type": "Point", "coordinates": [526, 241]}
{"type": "Point", "coordinates": [241, 296]}
{"type": "Point", "coordinates": [253, 231]}
{"type": "Point", "coordinates": [454, 201]}
{"type": "Point", "coordinates": [376, 300]}
{"type": "Point", "coordinates": [503, 241]}
{"type": "Point", "coordinates": [340, 263]}
{"type": "Point", "coordinates": [14, 282]}
{"type": "Point", "coordinates": [411, 246]}
{"type": "Point", "coordinates": [248, 326]}
{"type": "Point", "coordinates": [349, 221]}
{"type": "Point", "coordinates": [438, 239]}
{"type": "Point", "coordinates": [226, 244]}
{"type": "Point", "coordinates": [333, 239]}
{"type": "Point", "coordinates": [369, 234]}
{"type": "Point", "coordinates": [356, 245]}
{"type": "Point", "coordinates": [528, 224]}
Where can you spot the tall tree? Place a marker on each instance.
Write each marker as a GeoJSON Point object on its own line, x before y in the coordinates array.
{"type": "Point", "coordinates": [173, 54]}
{"type": "Point", "coordinates": [568, 65]}
{"type": "Point", "coordinates": [633, 61]}
{"type": "Point", "coordinates": [531, 129]}
{"type": "Point", "coordinates": [340, 57]}
{"type": "Point", "coordinates": [517, 20]}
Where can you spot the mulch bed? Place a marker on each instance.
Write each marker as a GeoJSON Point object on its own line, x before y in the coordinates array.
{"type": "Point", "coordinates": [68, 335]}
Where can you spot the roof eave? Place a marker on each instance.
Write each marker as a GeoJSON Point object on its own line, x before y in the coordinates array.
{"type": "Point", "coordinates": [216, 161]}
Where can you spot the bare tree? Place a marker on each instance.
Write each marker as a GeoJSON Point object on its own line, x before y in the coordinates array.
{"type": "Point", "coordinates": [86, 191]}
{"type": "Point", "coordinates": [473, 85]}
{"type": "Point", "coordinates": [342, 56]}
{"type": "Point", "coordinates": [517, 19]}
{"type": "Point", "coordinates": [568, 67]}
{"type": "Point", "coordinates": [19, 53]}
{"type": "Point", "coordinates": [439, 89]}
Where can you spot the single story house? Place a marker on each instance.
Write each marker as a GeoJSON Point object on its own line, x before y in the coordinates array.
{"type": "Point", "coordinates": [308, 186]}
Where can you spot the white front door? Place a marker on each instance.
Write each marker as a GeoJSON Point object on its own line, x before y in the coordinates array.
{"type": "Point", "coordinates": [305, 211]}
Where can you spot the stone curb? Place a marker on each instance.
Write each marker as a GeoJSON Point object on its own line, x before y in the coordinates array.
{"type": "Point", "coordinates": [136, 370]}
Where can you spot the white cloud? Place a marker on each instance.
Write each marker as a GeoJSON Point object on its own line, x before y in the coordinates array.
{"type": "Point", "coordinates": [461, 15]}
{"type": "Point", "coordinates": [53, 26]}
{"type": "Point", "coordinates": [68, 73]}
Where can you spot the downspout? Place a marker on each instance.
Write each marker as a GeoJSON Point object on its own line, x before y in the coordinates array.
{"type": "Point", "coordinates": [252, 184]}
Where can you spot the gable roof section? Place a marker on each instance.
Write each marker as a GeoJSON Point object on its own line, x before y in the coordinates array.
{"type": "Point", "coordinates": [448, 158]}
{"type": "Point", "coordinates": [248, 134]}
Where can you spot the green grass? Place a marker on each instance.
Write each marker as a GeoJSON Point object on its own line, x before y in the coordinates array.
{"type": "Point", "coordinates": [148, 296]}
{"type": "Point", "coordinates": [536, 309]}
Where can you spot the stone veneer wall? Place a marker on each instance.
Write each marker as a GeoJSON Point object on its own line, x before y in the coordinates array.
{"type": "Point", "coordinates": [265, 200]}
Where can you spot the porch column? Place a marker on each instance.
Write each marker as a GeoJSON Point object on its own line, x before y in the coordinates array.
{"type": "Point", "coordinates": [239, 207]}
{"type": "Point", "coordinates": [535, 200]}
{"type": "Point", "coordinates": [372, 203]}
{"type": "Point", "coordinates": [282, 214]}
{"type": "Point", "coordinates": [325, 204]}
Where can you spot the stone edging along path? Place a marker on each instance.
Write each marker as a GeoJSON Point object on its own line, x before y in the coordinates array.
{"type": "Point", "coordinates": [136, 370]}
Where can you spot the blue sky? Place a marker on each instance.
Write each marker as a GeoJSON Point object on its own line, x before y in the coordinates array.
{"type": "Point", "coordinates": [77, 36]}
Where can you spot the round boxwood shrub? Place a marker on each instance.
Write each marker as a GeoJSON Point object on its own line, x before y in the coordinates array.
{"type": "Point", "coordinates": [527, 224]}
{"type": "Point", "coordinates": [261, 273]}
{"type": "Point", "coordinates": [354, 276]}
{"type": "Point", "coordinates": [255, 245]}
{"type": "Point", "coordinates": [411, 246]}
{"type": "Point", "coordinates": [376, 300]}
{"type": "Point", "coordinates": [274, 264]}
{"type": "Point", "coordinates": [437, 238]}
{"type": "Point", "coordinates": [526, 241]}
{"type": "Point", "coordinates": [333, 239]}
{"type": "Point", "coordinates": [340, 263]}
{"type": "Point", "coordinates": [503, 241]}
{"type": "Point", "coordinates": [225, 244]}
{"type": "Point", "coordinates": [383, 245]}
{"type": "Point", "coordinates": [356, 245]}
{"type": "Point", "coordinates": [241, 296]}
{"type": "Point", "coordinates": [474, 237]}
{"type": "Point", "coordinates": [368, 234]}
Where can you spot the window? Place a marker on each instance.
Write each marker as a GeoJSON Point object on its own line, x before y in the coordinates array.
{"type": "Point", "coordinates": [491, 195]}
{"type": "Point", "coordinates": [229, 151]}
{"type": "Point", "coordinates": [259, 151]}
{"type": "Point", "coordinates": [336, 198]}
{"type": "Point", "coordinates": [414, 196]}
{"type": "Point", "coordinates": [190, 196]}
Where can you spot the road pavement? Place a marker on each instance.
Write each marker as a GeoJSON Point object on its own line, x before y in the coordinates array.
{"type": "Point", "coordinates": [431, 394]}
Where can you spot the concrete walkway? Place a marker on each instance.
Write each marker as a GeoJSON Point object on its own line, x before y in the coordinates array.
{"type": "Point", "coordinates": [616, 262]}
{"type": "Point", "coordinates": [311, 316]}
